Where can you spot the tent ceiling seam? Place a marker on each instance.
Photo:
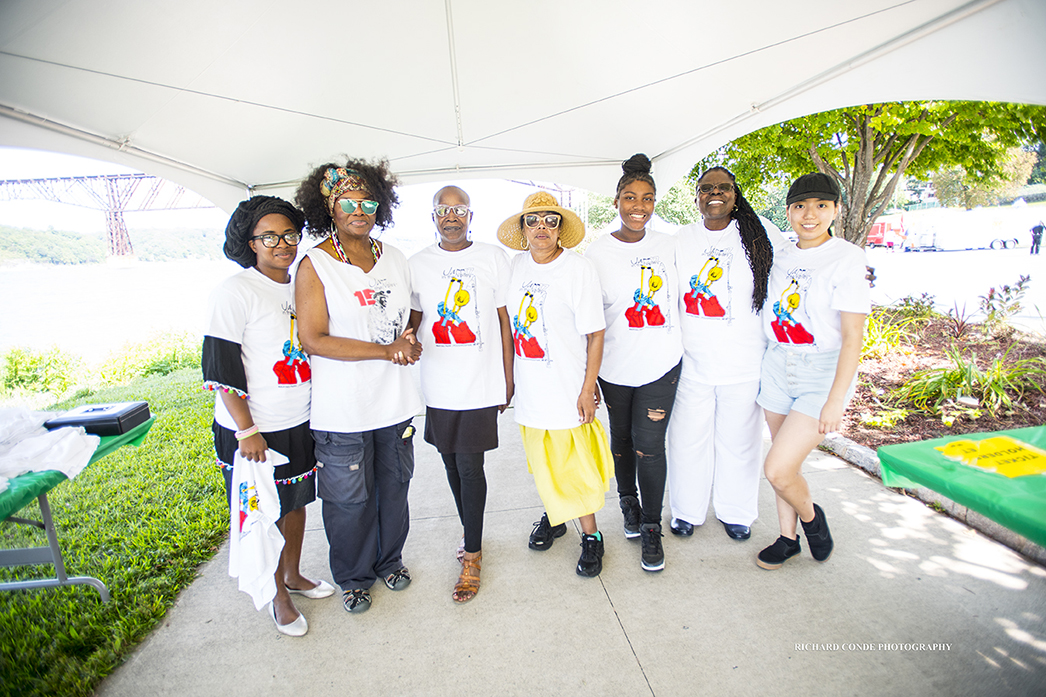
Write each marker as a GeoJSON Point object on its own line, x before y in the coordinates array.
{"type": "Point", "coordinates": [220, 97]}
{"type": "Point", "coordinates": [454, 72]}
{"type": "Point", "coordinates": [894, 44]}
{"type": "Point", "coordinates": [119, 145]}
{"type": "Point", "coordinates": [707, 66]}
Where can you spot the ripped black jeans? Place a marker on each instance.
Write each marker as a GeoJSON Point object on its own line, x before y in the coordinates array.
{"type": "Point", "coordinates": [638, 422]}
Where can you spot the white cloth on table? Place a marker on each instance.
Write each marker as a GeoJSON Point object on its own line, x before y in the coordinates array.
{"type": "Point", "coordinates": [26, 446]}
{"type": "Point", "coordinates": [255, 543]}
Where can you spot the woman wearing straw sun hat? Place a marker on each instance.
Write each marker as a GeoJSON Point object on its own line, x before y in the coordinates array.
{"type": "Point", "coordinates": [557, 328]}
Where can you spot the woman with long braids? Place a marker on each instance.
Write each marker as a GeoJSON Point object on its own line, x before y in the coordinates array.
{"type": "Point", "coordinates": [353, 299]}
{"type": "Point", "coordinates": [641, 353]}
{"type": "Point", "coordinates": [715, 437]}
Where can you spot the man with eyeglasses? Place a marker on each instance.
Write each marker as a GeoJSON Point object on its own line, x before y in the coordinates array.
{"type": "Point", "coordinates": [458, 309]}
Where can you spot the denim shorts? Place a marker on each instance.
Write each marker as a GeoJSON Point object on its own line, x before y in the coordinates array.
{"type": "Point", "coordinates": [799, 380]}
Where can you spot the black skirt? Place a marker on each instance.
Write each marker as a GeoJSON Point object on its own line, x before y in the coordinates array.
{"type": "Point", "coordinates": [296, 443]}
{"type": "Point", "coordinates": [470, 431]}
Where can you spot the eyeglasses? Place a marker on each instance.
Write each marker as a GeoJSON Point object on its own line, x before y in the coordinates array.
{"type": "Point", "coordinates": [441, 211]}
{"type": "Point", "coordinates": [533, 220]}
{"type": "Point", "coordinates": [724, 188]}
{"type": "Point", "coordinates": [349, 205]}
{"type": "Point", "coordinates": [271, 239]}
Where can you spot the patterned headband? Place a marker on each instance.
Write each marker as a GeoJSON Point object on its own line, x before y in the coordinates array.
{"type": "Point", "coordinates": [338, 180]}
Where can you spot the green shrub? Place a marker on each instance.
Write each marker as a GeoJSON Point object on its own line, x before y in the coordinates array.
{"type": "Point", "coordinates": [917, 308]}
{"type": "Point", "coordinates": [999, 387]}
{"type": "Point", "coordinates": [1000, 305]}
{"type": "Point", "coordinates": [52, 370]}
{"type": "Point", "coordinates": [884, 419]}
{"type": "Point", "coordinates": [141, 520]}
{"type": "Point", "coordinates": [884, 333]}
{"type": "Point", "coordinates": [160, 355]}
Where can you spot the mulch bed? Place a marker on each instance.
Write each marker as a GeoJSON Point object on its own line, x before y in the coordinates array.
{"type": "Point", "coordinates": [879, 376]}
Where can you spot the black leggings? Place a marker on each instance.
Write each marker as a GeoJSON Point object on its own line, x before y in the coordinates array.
{"type": "Point", "coordinates": [638, 422]}
{"type": "Point", "coordinates": [469, 485]}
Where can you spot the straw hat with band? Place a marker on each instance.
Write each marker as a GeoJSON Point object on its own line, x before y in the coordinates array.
{"type": "Point", "coordinates": [571, 229]}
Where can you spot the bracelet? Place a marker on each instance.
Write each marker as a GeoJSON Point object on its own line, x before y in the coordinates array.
{"type": "Point", "coordinates": [247, 432]}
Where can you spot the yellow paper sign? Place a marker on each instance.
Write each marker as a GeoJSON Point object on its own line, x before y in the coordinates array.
{"type": "Point", "coordinates": [1002, 454]}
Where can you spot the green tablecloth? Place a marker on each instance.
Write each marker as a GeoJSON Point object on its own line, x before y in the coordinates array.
{"type": "Point", "coordinates": [1017, 503]}
{"type": "Point", "coordinates": [23, 489]}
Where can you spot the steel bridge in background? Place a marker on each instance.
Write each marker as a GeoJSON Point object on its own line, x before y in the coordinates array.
{"type": "Point", "coordinates": [114, 194]}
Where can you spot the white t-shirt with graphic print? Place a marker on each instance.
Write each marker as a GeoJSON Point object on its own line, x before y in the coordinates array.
{"type": "Point", "coordinates": [354, 396]}
{"type": "Point", "coordinates": [256, 312]}
{"type": "Point", "coordinates": [808, 290]}
{"type": "Point", "coordinates": [553, 308]}
{"type": "Point", "coordinates": [639, 286]}
{"type": "Point", "coordinates": [723, 337]}
{"type": "Point", "coordinates": [459, 294]}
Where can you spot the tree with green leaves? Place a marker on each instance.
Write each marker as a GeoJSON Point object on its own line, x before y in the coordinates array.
{"type": "Point", "coordinates": [868, 148]}
{"type": "Point", "coordinates": [956, 187]}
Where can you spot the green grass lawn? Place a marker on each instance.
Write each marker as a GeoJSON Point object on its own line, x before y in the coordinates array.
{"type": "Point", "coordinates": [141, 520]}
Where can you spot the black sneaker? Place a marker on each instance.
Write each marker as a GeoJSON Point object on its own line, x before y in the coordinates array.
{"type": "Point", "coordinates": [543, 535]}
{"type": "Point", "coordinates": [357, 600]}
{"type": "Point", "coordinates": [631, 510]}
{"type": "Point", "coordinates": [653, 554]}
{"type": "Point", "coordinates": [591, 561]}
{"type": "Point", "coordinates": [818, 536]}
{"type": "Point", "coordinates": [774, 556]}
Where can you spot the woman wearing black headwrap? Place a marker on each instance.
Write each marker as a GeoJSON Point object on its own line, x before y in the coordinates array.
{"type": "Point", "coordinates": [253, 360]}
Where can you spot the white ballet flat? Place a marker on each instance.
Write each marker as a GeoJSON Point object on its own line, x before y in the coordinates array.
{"type": "Point", "coordinates": [296, 628]}
{"type": "Point", "coordinates": [322, 589]}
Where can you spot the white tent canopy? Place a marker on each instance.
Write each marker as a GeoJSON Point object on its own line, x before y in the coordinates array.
{"type": "Point", "coordinates": [229, 96]}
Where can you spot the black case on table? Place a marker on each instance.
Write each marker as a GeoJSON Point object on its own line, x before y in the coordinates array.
{"type": "Point", "coordinates": [104, 419]}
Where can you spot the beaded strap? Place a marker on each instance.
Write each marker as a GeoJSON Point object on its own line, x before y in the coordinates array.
{"type": "Point", "coordinates": [289, 480]}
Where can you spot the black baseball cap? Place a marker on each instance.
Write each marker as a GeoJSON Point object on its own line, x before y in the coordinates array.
{"type": "Point", "coordinates": [815, 185]}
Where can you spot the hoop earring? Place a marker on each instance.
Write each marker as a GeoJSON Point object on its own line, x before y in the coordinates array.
{"type": "Point", "coordinates": [526, 243]}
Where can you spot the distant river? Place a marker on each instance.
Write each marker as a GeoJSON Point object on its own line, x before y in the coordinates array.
{"type": "Point", "coordinates": [94, 309]}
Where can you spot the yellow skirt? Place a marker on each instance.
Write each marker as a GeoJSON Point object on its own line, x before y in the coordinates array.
{"type": "Point", "coordinates": [572, 468]}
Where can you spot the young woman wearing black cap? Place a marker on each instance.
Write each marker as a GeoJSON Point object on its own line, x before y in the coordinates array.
{"type": "Point", "coordinates": [814, 316]}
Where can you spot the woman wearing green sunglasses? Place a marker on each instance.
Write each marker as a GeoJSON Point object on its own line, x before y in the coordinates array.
{"type": "Point", "coordinates": [353, 300]}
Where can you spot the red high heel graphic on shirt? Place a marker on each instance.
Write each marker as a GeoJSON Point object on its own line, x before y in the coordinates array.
{"type": "Point", "coordinates": [701, 300]}
{"type": "Point", "coordinates": [526, 343]}
{"type": "Point", "coordinates": [786, 329]}
{"type": "Point", "coordinates": [284, 373]}
{"type": "Point", "coordinates": [653, 316]}
{"type": "Point", "coordinates": [529, 347]}
{"type": "Point", "coordinates": [450, 323]}
{"type": "Point", "coordinates": [462, 334]}
{"type": "Point", "coordinates": [294, 361]}
{"type": "Point", "coordinates": [646, 311]}
{"type": "Point", "coordinates": [440, 332]}
{"type": "Point", "coordinates": [693, 305]}
{"type": "Point", "coordinates": [635, 316]}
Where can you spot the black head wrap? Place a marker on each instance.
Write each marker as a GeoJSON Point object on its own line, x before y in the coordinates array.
{"type": "Point", "coordinates": [244, 219]}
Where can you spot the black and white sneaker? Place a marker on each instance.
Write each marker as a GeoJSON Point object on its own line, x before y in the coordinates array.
{"type": "Point", "coordinates": [632, 512]}
{"type": "Point", "coordinates": [356, 600]}
{"type": "Point", "coordinates": [544, 534]}
{"type": "Point", "coordinates": [591, 562]}
{"type": "Point", "coordinates": [653, 554]}
{"type": "Point", "coordinates": [398, 579]}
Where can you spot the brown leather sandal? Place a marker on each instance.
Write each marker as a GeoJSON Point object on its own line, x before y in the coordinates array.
{"type": "Point", "coordinates": [468, 582]}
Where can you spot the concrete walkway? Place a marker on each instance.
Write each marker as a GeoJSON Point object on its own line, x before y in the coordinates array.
{"type": "Point", "coordinates": [911, 602]}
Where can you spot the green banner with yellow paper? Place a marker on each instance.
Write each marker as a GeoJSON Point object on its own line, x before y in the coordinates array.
{"type": "Point", "coordinates": [1001, 475]}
